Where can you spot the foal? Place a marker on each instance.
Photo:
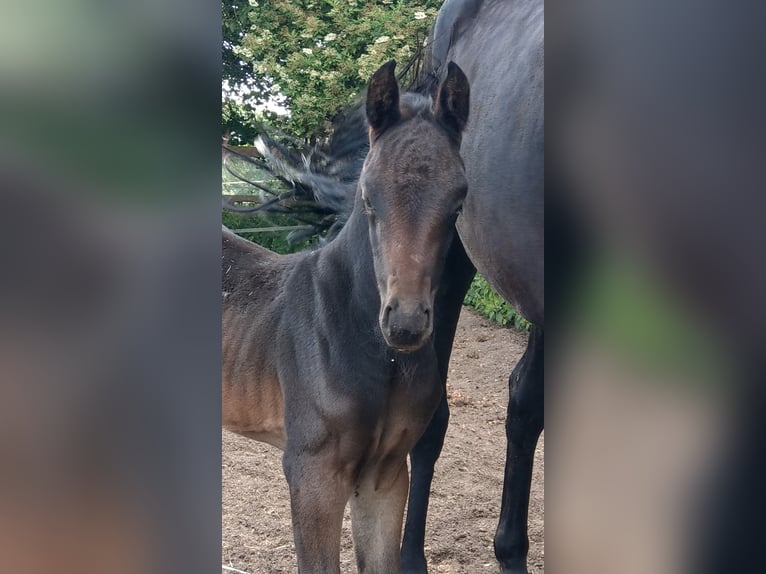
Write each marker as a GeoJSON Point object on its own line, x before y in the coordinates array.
{"type": "Point", "coordinates": [329, 355]}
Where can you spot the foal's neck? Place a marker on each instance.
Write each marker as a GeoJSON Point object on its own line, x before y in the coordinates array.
{"type": "Point", "coordinates": [350, 253]}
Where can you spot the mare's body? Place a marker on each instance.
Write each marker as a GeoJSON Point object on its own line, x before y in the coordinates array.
{"type": "Point", "coordinates": [499, 45]}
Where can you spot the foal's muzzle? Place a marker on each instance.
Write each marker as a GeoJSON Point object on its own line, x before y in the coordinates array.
{"type": "Point", "coordinates": [406, 326]}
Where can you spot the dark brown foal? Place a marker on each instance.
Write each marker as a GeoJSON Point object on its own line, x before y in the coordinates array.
{"type": "Point", "coordinates": [329, 354]}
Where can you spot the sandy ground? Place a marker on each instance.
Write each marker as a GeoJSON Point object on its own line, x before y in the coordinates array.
{"type": "Point", "coordinates": [465, 496]}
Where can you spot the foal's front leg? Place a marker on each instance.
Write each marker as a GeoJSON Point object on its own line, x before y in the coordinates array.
{"type": "Point", "coordinates": [318, 496]}
{"type": "Point", "coordinates": [377, 511]}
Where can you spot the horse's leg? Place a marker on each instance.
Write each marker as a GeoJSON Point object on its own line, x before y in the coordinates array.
{"type": "Point", "coordinates": [318, 496]}
{"type": "Point", "coordinates": [458, 273]}
{"type": "Point", "coordinates": [376, 522]}
{"type": "Point", "coordinates": [423, 458]}
{"type": "Point", "coordinates": [523, 426]}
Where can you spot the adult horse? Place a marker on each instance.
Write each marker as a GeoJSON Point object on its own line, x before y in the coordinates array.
{"type": "Point", "coordinates": [500, 46]}
{"type": "Point", "coordinates": [328, 354]}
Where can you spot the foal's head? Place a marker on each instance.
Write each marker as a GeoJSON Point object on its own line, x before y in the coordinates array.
{"type": "Point", "coordinates": [412, 187]}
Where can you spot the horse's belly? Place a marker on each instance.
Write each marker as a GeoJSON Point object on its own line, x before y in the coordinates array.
{"type": "Point", "coordinates": [254, 408]}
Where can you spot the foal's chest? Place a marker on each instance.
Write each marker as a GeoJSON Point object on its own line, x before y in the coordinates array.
{"type": "Point", "coordinates": [412, 396]}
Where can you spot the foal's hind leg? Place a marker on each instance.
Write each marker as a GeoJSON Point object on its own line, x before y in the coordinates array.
{"type": "Point", "coordinates": [458, 273]}
{"type": "Point", "coordinates": [377, 511]}
{"type": "Point", "coordinates": [318, 495]}
{"type": "Point", "coordinates": [523, 426]}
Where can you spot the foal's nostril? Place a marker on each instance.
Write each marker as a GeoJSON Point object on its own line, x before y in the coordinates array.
{"type": "Point", "coordinates": [387, 314]}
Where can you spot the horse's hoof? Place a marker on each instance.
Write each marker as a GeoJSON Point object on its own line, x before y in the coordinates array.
{"type": "Point", "coordinates": [514, 570]}
{"type": "Point", "coordinates": [416, 567]}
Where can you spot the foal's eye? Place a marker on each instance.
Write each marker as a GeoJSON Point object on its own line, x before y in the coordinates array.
{"type": "Point", "coordinates": [367, 205]}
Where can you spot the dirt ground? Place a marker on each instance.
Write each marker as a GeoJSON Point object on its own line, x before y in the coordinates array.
{"type": "Point", "coordinates": [465, 495]}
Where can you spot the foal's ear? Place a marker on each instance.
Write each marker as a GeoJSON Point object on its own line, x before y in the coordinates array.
{"type": "Point", "coordinates": [452, 100]}
{"type": "Point", "coordinates": [383, 99]}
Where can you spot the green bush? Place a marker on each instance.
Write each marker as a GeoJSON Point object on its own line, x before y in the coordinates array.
{"type": "Point", "coordinates": [488, 303]}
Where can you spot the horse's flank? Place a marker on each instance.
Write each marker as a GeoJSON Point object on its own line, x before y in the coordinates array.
{"type": "Point", "coordinates": [250, 273]}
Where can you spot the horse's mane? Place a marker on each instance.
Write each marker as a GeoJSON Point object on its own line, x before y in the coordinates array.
{"type": "Point", "coordinates": [322, 180]}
